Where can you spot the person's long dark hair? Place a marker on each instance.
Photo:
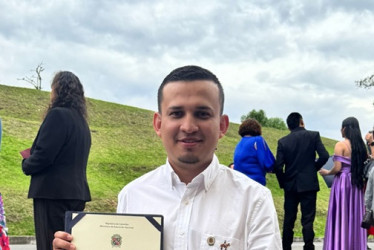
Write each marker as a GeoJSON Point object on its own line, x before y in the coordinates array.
{"type": "Point", "coordinates": [67, 91]}
{"type": "Point", "coordinates": [351, 131]}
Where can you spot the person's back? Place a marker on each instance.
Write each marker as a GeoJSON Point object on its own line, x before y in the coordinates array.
{"type": "Point", "coordinates": [252, 155]}
{"type": "Point", "coordinates": [298, 150]}
{"type": "Point", "coordinates": [58, 159]}
{"type": "Point", "coordinates": [67, 158]}
{"type": "Point", "coordinates": [253, 158]}
{"type": "Point", "coordinates": [346, 206]}
{"type": "Point", "coordinates": [296, 169]}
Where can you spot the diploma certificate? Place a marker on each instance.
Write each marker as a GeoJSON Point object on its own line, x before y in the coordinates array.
{"type": "Point", "coordinates": [102, 231]}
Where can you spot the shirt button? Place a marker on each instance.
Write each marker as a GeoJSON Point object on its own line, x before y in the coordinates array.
{"type": "Point", "coordinates": [211, 240]}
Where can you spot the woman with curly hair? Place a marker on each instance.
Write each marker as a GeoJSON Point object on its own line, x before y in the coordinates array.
{"type": "Point", "coordinates": [346, 205]}
{"type": "Point", "coordinates": [252, 155]}
{"type": "Point", "coordinates": [58, 159]}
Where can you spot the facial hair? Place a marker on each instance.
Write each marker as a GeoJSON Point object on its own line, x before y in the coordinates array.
{"type": "Point", "coordinates": [188, 159]}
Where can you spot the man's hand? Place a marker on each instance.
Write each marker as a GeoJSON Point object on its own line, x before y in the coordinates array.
{"type": "Point", "coordinates": [62, 241]}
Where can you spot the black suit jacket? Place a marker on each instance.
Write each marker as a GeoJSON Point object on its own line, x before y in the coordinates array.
{"type": "Point", "coordinates": [297, 152]}
{"type": "Point", "coordinates": [59, 155]}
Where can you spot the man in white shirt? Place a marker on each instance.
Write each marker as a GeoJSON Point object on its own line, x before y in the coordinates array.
{"type": "Point", "coordinates": [205, 204]}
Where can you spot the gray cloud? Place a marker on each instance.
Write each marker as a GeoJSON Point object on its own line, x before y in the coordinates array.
{"type": "Point", "coordinates": [280, 56]}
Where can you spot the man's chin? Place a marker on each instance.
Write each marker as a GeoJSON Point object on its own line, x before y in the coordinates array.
{"type": "Point", "coordinates": [188, 159]}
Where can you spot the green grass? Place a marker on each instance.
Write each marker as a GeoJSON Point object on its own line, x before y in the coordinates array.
{"type": "Point", "coordinates": [124, 146]}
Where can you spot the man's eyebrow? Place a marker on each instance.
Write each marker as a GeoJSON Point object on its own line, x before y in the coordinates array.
{"type": "Point", "coordinates": [204, 108]}
{"type": "Point", "coordinates": [175, 108]}
{"type": "Point", "coordinates": [197, 108]}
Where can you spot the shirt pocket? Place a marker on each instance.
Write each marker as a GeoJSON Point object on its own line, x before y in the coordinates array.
{"type": "Point", "coordinates": [213, 242]}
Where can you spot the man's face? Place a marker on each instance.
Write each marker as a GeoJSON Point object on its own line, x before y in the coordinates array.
{"type": "Point", "coordinates": [190, 124]}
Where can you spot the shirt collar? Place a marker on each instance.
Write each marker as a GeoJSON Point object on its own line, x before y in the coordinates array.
{"type": "Point", "coordinates": [206, 177]}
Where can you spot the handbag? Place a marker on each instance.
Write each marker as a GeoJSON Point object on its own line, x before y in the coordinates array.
{"type": "Point", "coordinates": [368, 220]}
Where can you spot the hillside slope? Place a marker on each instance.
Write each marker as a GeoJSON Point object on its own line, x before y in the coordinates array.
{"type": "Point", "coordinates": [124, 146]}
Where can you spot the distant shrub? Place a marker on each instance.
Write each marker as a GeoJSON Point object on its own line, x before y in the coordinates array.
{"type": "Point", "coordinates": [260, 116]}
{"type": "Point", "coordinates": [276, 123]}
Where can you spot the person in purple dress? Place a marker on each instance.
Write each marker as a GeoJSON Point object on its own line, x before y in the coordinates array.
{"type": "Point", "coordinates": [346, 206]}
{"type": "Point", "coordinates": [252, 155]}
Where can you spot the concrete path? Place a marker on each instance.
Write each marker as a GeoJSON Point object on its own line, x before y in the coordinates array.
{"type": "Point", "coordinates": [23, 247]}
{"type": "Point", "coordinates": [318, 245]}
{"type": "Point", "coordinates": [295, 246]}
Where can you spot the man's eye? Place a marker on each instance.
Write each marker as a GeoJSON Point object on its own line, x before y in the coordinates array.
{"type": "Point", "coordinates": [203, 114]}
{"type": "Point", "coordinates": [176, 114]}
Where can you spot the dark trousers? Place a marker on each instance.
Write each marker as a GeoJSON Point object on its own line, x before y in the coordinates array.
{"type": "Point", "coordinates": [307, 202]}
{"type": "Point", "coordinates": [49, 217]}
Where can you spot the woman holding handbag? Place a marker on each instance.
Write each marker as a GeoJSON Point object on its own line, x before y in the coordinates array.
{"type": "Point", "coordinates": [346, 205]}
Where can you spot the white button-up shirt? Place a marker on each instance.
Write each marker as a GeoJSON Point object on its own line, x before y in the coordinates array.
{"type": "Point", "coordinates": [219, 207]}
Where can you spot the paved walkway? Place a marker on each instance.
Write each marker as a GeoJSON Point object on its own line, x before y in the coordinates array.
{"type": "Point", "coordinates": [295, 246]}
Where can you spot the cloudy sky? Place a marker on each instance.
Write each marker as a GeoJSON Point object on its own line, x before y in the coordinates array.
{"type": "Point", "coordinates": [279, 56]}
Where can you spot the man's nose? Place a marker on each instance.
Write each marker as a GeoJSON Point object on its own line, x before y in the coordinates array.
{"type": "Point", "coordinates": [189, 124]}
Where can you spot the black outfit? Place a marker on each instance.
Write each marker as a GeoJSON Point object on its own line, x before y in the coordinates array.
{"type": "Point", "coordinates": [297, 151]}
{"type": "Point", "coordinates": [57, 166]}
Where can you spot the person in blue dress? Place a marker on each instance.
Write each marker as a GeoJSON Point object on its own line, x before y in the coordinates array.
{"type": "Point", "coordinates": [252, 155]}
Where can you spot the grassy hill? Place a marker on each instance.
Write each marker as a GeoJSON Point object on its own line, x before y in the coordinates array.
{"type": "Point", "coordinates": [124, 146]}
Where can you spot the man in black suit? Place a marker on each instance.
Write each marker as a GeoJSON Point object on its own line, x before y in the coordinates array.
{"type": "Point", "coordinates": [297, 152]}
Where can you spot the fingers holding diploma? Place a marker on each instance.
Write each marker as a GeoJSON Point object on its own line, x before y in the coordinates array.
{"type": "Point", "coordinates": [62, 241]}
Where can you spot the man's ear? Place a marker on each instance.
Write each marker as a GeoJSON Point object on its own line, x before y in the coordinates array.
{"type": "Point", "coordinates": [302, 123]}
{"type": "Point", "coordinates": [157, 123]}
{"type": "Point", "coordinates": [223, 125]}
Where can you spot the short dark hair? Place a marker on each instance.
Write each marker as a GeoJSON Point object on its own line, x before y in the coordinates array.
{"type": "Point", "coordinates": [250, 127]}
{"type": "Point", "coordinates": [190, 73]}
{"type": "Point", "coordinates": [293, 120]}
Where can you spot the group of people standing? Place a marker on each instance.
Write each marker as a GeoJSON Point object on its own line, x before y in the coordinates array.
{"type": "Point", "coordinates": [296, 168]}
{"type": "Point", "coordinates": [205, 204]}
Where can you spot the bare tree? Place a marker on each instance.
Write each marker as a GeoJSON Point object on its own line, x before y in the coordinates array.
{"type": "Point", "coordinates": [36, 81]}
{"type": "Point", "coordinates": [367, 82]}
